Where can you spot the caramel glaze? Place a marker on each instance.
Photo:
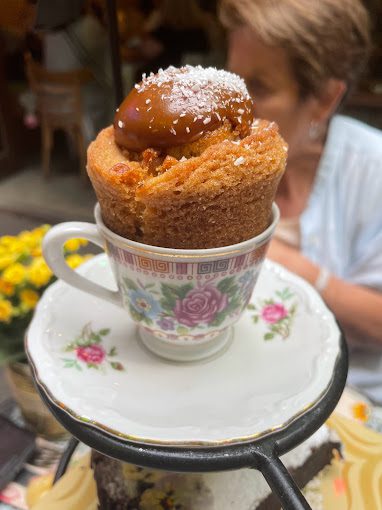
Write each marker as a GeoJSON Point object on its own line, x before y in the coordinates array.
{"type": "Point", "coordinates": [176, 106]}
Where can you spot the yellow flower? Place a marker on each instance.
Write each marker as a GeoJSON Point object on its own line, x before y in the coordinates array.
{"type": "Point", "coordinates": [39, 232]}
{"type": "Point", "coordinates": [14, 274]}
{"type": "Point", "coordinates": [5, 310]}
{"type": "Point", "coordinates": [28, 239]}
{"type": "Point", "coordinates": [12, 244]}
{"type": "Point", "coordinates": [7, 240]}
{"type": "Point", "coordinates": [6, 260]}
{"type": "Point", "coordinates": [6, 288]}
{"type": "Point", "coordinates": [74, 260]}
{"type": "Point", "coordinates": [29, 298]}
{"type": "Point", "coordinates": [39, 273]}
{"type": "Point", "coordinates": [75, 244]}
{"type": "Point", "coordinates": [36, 252]}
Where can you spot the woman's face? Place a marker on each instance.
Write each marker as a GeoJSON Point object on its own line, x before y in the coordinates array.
{"type": "Point", "coordinates": [271, 82]}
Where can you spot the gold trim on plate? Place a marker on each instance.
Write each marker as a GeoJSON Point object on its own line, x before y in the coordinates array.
{"type": "Point", "coordinates": [174, 443]}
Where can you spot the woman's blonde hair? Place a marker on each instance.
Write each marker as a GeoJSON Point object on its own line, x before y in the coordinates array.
{"type": "Point", "coordinates": [323, 38]}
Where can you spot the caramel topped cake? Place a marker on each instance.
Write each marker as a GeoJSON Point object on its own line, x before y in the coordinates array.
{"type": "Point", "coordinates": [177, 106]}
{"type": "Point", "coordinates": [185, 165]}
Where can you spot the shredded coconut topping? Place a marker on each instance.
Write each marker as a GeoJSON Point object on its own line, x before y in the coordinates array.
{"type": "Point", "coordinates": [199, 89]}
{"type": "Point", "coordinates": [239, 161]}
{"type": "Point", "coordinates": [120, 124]}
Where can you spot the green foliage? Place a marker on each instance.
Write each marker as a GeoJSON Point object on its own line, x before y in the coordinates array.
{"type": "Point", "coordinates": [12, 339]}
{"type": "Point", "coordinates": [228, 286]}
{"type": "Point", "coordinates": [171, 293]}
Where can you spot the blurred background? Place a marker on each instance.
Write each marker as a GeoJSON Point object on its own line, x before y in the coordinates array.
{"type": "Point", "coordinates": [56, 57]}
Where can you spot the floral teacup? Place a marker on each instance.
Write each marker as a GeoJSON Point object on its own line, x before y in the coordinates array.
{"type": "Point", "coordinates": [185, 301]}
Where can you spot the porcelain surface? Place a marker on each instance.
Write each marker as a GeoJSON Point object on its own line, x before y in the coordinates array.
{"type": "Point", "coordinates": [88, 357]}
{"type": "Point", "coordinates": [184, 300]}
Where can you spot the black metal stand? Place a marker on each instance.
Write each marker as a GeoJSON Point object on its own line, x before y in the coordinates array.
{"type": "Point", "coordinates": [262, 454]}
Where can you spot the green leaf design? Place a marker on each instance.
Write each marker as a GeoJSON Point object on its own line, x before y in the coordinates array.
{"type": "Point", "coordinates": [130, 284]}
{"type": "Point", "coordinates": [268, 336]}
{"type": "Point", "coordinates": [135, 314]}
{"type": "Point", "coordinates": [167, 305]}
{"type": "Point", "coordinates": [94, 338]}
{"type": "Point", "coordinates": [181, 330]}
{"type": "Point", "coordinates": [228, 286]}
{"type": "Point", "coordinates": [70, 347]}
{"type": "Point", "coordinates": [92, 365]}
{"type": "Point", "coordinates": [112, 352]}
{"type": "Point", "coordinates": [169, 297]}
{"type": "Point", "coordinates": [117, 365]}
{"type": "Point", "coordinates": [104, 332]}
{"type": "Point", "coordinates": [139, 317]}
{"type": "Point", "coordinates": [233, 305]}
{"type": "Point", "coordinates": [71, 363]}
{"type": "Point", "coordinates": [219, 318]}
{"type": "Point", "coordinates": [251, 306]}
{"type": "Point", "coordinates": [171, 293]}
{"type": "Point", "coordinates": [284, 294]}
{"type": "Point", "coordinates": [255, 318]}
{"type": "Point", "coordinates": [183, 290]}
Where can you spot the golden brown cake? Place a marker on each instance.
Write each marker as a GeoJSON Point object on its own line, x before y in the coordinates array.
{"type": "Point", "coordinates": [185, 165]}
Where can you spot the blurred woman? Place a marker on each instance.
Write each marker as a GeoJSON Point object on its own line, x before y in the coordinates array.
{"type": "Point", "coordinates": [299, 59]}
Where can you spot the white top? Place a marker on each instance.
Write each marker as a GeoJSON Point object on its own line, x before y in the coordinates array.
{"type": "Point", "coordinates": [341, 227]}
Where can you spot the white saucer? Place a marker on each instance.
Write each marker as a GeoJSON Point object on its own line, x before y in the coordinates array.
{"type": "Point", "coordinates": [270, 374]}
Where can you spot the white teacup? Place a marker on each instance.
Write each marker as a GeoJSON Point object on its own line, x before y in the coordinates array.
{"type": "Point", "coordinates": [185, 301]}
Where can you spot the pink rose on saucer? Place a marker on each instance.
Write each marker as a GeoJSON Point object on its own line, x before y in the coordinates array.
{"type": "Point", "coordinates": [274, 313]}
{"type": "Point", "coordinates": [200, 306]}
{"type": "Point", "coordinates": [93, 354]}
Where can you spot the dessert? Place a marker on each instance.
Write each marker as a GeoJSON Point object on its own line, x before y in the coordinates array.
{"type": "Point", "coordinates": [125, 487]}
{"type": "Point", "coordinates": [185, 165]}
{"type": "Point", "coordinates": [350, 482]}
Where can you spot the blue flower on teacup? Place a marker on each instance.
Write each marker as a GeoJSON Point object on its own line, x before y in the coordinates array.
{"type": "Point", "coordinates": [144, 303]}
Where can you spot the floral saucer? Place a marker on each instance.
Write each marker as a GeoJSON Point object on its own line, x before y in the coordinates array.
{"type": "Point", "coordinates": [89, 360]}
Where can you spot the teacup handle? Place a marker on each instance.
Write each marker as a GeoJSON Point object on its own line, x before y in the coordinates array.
{"type": "Point", "coordinates": [53, 252]}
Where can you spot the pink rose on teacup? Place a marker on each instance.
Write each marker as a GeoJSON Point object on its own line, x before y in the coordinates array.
{"type": "Point", "coordinates": [273, 313]}
{"type": "Point", "coordinates": [94, 354]}
{"type": "Point", "coordinates": [200, 306]}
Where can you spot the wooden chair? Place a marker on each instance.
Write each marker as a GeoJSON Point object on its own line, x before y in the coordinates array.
{"type": "Point", "coordinates": [59, 106]}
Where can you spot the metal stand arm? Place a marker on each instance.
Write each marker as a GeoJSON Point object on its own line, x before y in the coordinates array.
{"type": "Point", "coordinates": [282, 484]}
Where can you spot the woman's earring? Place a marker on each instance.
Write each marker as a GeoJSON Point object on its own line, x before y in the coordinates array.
{"type": "Point", "coordinates": [314, 130]}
